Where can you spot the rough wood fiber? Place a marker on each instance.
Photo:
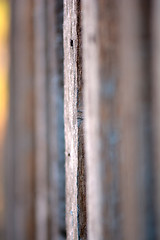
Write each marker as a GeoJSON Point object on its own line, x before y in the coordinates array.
{"type": "Point", "coordinates": [55, 132]}
{"type": "Point", "coordinates": [73, 109]}
{"type": "Point", "coordinates": [135, 121]}
{"type": "Point", "coordinates": [19, 205]}
{"type": "Point", "coordinates": [40, 75]}
{"type": "Point", "coordinates": [100, 41]}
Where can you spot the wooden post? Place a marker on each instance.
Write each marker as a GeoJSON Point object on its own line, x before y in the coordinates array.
{"type": "Point", "coordinates": [73, 117]}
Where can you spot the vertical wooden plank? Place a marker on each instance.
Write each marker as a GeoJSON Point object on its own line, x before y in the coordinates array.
{"type": "Point", "coordinates": [55, 109]}
{"type": "Point", "coordinates": [40, 119]}
{"type": "Point", "coordinates": [20, 152]}
{"type": "Point", "coordinates": [156, 104]}
{"type": "Point", "coordinates": [100, 41]}
{"type": "Point", "coordinates": [73, 118]}
{"type": "Point", "coordinates": [135, 121]}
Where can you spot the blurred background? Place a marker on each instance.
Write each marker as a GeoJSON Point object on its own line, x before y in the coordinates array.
{"type": "Point", "coordinates": [4, 85]}
{"type": "Point", "coordinates": [79, 119]}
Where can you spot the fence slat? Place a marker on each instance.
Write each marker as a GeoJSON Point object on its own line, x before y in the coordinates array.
{"type": "Point", "coordinates": [73, 116]}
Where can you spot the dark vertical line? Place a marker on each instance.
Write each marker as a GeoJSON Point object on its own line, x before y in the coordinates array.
{"type": "Point", "coordinates": [150, 224]}
{"type": "Point", "coordinates": [81, 171]}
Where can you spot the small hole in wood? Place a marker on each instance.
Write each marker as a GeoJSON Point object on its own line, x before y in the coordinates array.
{"type": "Point", "coordinates": [69, 155]}
{"type": "Point", "coordinates": [71, 43]}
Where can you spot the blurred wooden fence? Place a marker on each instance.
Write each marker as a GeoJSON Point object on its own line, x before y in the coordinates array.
{"type": "Point", "coordinates": [98, 63]}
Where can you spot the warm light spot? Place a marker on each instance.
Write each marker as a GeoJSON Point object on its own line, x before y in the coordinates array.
{"type": "Point", "coordinates": [4, 29]}
{"type": "Point", "coordinates": [4, 66]}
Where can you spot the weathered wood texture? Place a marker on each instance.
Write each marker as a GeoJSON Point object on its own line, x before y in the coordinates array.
{"type": "Point", "coordinates": [19, 165]}
{"type": "Point", "coordinates": [73, 110]}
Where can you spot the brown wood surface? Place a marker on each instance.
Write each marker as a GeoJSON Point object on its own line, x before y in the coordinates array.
{"type": "Point", "coordinates": [73, 117]}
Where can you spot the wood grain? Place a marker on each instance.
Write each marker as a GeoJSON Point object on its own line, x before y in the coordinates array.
{"type": "Point", "coordinates": [73, 118]}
